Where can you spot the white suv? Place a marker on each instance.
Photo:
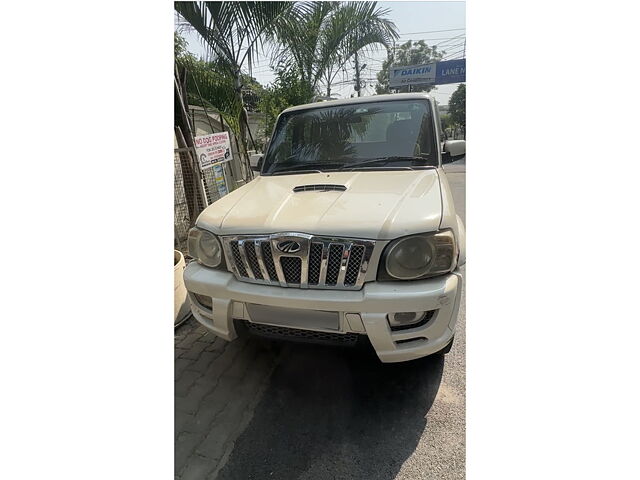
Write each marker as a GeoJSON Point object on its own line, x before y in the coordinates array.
{"type": "Point", "coordinates": [349, 232]}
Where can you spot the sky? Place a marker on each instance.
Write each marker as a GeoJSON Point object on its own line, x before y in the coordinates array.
{"type": "Point", "coordinates": [414, 20]}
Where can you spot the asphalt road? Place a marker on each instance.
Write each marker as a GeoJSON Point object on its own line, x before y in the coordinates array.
{"type": "Point", "coordinates": [290, 411]}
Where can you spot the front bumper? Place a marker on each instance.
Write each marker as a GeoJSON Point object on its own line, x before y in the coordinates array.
{"type": "Point", "coordinates": [363, 311]}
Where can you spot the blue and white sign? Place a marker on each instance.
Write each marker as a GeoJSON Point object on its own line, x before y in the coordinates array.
{"type": "Point", "coordinates": [412, 75]}
{"type": "Point", "coordinates": [440, 73]}
{"type": "Point", "coordinates": [452, 71]}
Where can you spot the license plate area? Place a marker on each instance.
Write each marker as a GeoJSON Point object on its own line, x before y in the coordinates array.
{"type": "Point", "coordinates": [294, 317]}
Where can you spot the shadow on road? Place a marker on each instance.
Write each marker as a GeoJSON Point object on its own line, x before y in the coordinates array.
{"type": "Point", "coordinates": [336, 413]}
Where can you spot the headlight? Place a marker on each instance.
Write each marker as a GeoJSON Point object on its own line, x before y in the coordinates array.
{"type": "Point", "coordinates": [205, 247]}
{"type": "Point", "coordinates": [418, 256]}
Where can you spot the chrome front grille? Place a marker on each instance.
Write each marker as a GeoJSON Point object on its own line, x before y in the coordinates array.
{"type": "Point", "coordinates": [299, 260]}
{"type": "Point", "coordinates": [292, 269]}
{"type": "Point", "coordinates": [333, 264]}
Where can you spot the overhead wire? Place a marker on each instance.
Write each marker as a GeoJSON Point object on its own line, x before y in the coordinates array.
{"type": "Point", "coordinates": [262, 66]}
{"type": "Point", "coordinates": [454, 46]}
{"type": "Point", "coordinates": [452, 38]}
{"type": "Point", "coordinates": [432, 31]}
{"type": "Point", "coordinates": [405, 40]}
{"type": "Point", "coordinates": [453, 54]}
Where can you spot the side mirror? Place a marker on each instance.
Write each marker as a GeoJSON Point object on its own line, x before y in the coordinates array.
{"type": "Point", "coordinates": [454, 150]}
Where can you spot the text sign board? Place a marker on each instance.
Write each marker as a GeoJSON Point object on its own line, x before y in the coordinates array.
{"type": "Point", "coordinates": [412, 75]}
{"type": "Point", "coordinates": [213, 149]}
{"type": "Point", "coordinates": [451, 71]}
{"type": "Point", "coordinates": [439, 73]}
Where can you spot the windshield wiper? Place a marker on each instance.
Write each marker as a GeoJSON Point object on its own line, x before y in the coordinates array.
{"type": "Point", "coordinates": [385, 160]}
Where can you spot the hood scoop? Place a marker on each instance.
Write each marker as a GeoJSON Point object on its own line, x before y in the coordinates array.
{"type": "Point", "coordinates": [320, 187]}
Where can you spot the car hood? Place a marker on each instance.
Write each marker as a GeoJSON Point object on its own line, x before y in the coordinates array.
{"type": "Point", "coordinates": [375, 205]}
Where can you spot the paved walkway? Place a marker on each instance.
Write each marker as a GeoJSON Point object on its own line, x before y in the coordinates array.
{"type": "Point", "coordinates": [216, 387]}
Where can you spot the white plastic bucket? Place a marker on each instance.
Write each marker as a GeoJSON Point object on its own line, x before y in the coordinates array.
{"type": "Point", "coordinates": [181, 307]}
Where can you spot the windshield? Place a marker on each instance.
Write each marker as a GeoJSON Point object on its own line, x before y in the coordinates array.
{"type": "Point", "coordinates": [390, 134]}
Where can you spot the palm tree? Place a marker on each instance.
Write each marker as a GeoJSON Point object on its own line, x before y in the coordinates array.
{"type": "Point", "coordinates": [234, 32]}
{"type": "Point", "coordinates": [328, 35]}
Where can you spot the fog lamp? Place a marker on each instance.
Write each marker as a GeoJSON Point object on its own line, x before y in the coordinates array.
{"type": "Point", "coordinates": [403, 319]}
{"type": "Point", "coordinates": [204, 300]}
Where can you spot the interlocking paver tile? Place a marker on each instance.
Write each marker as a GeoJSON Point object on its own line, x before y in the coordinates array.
{"type": "Point", "coordinates": [181, 420]}
{"type": "Point", "coordinates": [195, 350]}
{"type": "Point", "coordinates": [188, 340]}
{"type": "Point", "coordinates": [197, 468]}
{"type": "Point", "coordinates": [216, 384]}
{"type": "Point", "coordinates": [184, 446]}
{"type": "Point", "coordinates": [184, 383]}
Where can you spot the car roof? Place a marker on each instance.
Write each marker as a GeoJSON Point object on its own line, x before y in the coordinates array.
{"type": "Point", "coordinates": [359, 100]}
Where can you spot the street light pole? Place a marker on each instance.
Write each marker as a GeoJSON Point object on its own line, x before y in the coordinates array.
{"type": "Point", "coordinates": [357, 87]}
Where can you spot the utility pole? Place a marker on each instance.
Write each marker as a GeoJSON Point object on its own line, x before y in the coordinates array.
{"type": "Point", "coordinates": [357, 87]}
{"type": "Point", "coordinates": [392, 58]}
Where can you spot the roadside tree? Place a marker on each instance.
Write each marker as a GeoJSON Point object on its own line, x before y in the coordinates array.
{"type": "Point", "coordinates": [234, 33]}
{"type": "Point", "coordinates": [457, 106]}
{"type": "Point", "coordinates": [328, 35]}
{"type": "Point", "coordinates": [288, 89]}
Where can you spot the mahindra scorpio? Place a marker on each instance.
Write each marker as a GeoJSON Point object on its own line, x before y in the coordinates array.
{"type": "Point", "coordinates": [348, 234]}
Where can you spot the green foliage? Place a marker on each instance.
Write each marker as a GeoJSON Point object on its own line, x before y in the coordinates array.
{"type": "Point", "coordinates": [288, 89]}
{"type": "Point", "coordinates": [328, 34]}
{"type": "Point", "coordinates": [311, 42]}
{"type": "Point", "coordinates": [217, 89]}
{"type": "Point", "coordinates": [234, 33]}
{"type": "Point", "coordinates": [447, 121]}
{"type": "Point", "coordinates": [457, 105]}
{"type": "Point", "coordinates": [409, 53]}
{"type": "Point", "coordinates": [252, 92]}
{"type": "Point", "coordinates": [180, 45]}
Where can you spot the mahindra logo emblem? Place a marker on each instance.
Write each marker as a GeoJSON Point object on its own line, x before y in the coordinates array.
{"type": "Point", "coordinates": [289, 246]}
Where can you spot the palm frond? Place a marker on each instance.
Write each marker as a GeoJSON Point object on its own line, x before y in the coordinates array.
{"type": "Point", "coordinates": [328, 34]}
{"type": "Point", "coordinates": [234, 32]}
